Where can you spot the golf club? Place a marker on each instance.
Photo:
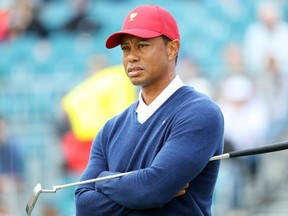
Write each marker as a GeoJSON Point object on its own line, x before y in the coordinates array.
{"type": "Point", "coordinates": [252, 151]}
{"type": "Point", "coordinates": [38, 189]}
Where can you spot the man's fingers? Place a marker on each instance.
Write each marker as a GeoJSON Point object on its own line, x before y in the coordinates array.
{"type": "Point", "coordinates": [183, 190]}
{"type": "Point", "coordinates": [186, 186]}
{"type": "Point", "coordinates": [181, 193]}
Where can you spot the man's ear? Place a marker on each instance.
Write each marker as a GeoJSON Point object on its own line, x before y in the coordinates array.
{"type": "Point", "coordinates": [173, 49]}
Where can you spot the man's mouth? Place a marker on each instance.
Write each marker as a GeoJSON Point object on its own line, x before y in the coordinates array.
{"type": "Point", "coordinates": [134, 71]}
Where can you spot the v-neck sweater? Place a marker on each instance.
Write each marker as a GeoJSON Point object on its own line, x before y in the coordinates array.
{"type": "Point", "coordinates": [170, 149]}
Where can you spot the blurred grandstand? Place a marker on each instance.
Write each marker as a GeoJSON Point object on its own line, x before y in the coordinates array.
{"type": "Point", "coordinates": [37, 70]}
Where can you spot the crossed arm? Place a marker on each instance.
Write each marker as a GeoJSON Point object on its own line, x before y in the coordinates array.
{"type": "Point", "coordinates": [184, 155]}
{"type": "Point", "coordinates": [165, 180]}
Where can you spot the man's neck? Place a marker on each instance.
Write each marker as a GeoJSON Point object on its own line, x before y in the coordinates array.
{"type": "Point", "coordinates": [150, 93]}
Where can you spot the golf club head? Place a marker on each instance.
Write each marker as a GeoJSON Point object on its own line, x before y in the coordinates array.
{"type": "Point", "coordinates": [33, 199]}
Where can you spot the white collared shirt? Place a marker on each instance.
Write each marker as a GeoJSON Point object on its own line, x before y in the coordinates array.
{"type": "Point", "coordinates": [144, 111]}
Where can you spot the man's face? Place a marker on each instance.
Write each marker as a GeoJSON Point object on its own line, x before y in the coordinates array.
{"type": "Point", "coordinates": [146, 61]}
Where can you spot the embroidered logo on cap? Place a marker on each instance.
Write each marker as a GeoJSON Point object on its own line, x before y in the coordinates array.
{"type": "Point", "coordinates": [132, 16]}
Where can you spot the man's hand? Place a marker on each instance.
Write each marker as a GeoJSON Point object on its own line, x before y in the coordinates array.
{"type": "Point", "coordinates": [182, 191]}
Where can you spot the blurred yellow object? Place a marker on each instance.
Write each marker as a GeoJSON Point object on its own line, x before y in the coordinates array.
{"type": "Point", "coordinates": [102, 96]}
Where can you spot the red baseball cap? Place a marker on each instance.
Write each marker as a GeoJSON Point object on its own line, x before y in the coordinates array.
{"type": "Point", "coordinates": [146, 21]}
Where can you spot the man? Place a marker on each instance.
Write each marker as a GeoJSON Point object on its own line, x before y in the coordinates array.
{"type": "Point", "coordinates": [166, 137]}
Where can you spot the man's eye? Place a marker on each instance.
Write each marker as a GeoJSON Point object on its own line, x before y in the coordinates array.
{"type": "Point", "coordinates": [124, 48]}
{"type": "Point", "coordinates": [142, 45]}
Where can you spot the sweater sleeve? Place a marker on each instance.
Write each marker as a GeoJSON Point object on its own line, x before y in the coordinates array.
{"type": "Point", "coordinates": [193, 140]}
{"type": "Point", "coordinates": [88, 200]}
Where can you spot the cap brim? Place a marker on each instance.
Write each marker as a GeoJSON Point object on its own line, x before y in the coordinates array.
{"type": "Point", "coordinates": [115, 39]}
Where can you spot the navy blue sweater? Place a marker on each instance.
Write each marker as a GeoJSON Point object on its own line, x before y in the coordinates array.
{"type": "Point", "coordinates": [170, 149]}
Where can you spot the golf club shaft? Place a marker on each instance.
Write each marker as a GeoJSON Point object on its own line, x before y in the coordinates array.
{"type": "Point", "coordinates": [58, 187]}
{"type": "Point", "coordinates": [253, 151]}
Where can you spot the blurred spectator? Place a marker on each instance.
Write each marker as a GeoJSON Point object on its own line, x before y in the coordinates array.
{"type": "Point", "coordinates": [233, 67]}
{"type": "Point", "coordinates": [4, 24]}
{"type": "Point", "coordinates": [20, 17]}
{"type": "Point", "coordinates": [25, 19]}
{"type": "Point", "coordinates": [191, 73]}
{"type": "Point", "coordinates": [11, 171]}
{"type": "Point", "coordinates": [273, 88]}
{"type": "Point", "coordinates": [267, 38]}
{"type": "Point", "coordinates": [49, 210]}
{"type": "Point", "coordinates": [246, 123]}
{"type": "Point", "coordinates": [245, 114]}
{"type": "Point", "coordinates": [233, 59]}
{"type": "Point", "coordinates": [10, 154]}
{"type": "Point", "coordinates": [81, 22]}
{"type": "Point", "coordinates": [76, 154]}
{"type": "Point", "coordinates": [266, 51]}
{"type": "Point", "coordinates": [35, 26]}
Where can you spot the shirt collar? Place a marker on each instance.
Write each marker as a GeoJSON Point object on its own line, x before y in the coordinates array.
{"type": "Point", "coordinates": [175, 84]}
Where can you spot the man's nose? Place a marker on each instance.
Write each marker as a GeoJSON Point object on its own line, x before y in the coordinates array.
{"type": "Point", "coordinates": [133, 55]}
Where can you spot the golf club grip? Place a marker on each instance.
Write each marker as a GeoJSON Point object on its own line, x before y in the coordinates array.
{"type": "Point", "coordinates": [260, 150]}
